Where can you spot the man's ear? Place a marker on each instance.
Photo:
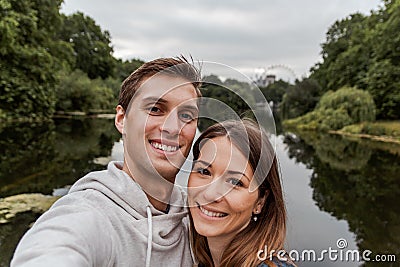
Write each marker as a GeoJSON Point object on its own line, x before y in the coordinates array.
{"type": "Point", "coordinates": [119, 119]}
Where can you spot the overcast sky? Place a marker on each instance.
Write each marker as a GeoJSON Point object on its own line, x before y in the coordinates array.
{"type": "Point", "coordinates": [245, 35]}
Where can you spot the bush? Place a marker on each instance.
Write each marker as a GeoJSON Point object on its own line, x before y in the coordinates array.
{"type": "Point", "coordinates": [388, 128]}
{"type": "Point", "coordinates": [76, 92]}
{"type": "Point", "coordinates": [336, 110]}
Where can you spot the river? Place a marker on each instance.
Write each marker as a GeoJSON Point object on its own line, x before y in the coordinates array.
{"type": "Point", "coordinates": [335, 188]}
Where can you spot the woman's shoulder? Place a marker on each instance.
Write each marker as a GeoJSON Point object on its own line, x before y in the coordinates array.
{"type": "Point", "coordinates": [277, 263]}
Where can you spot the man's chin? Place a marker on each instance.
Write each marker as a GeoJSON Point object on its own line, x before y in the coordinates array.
{"type": "Point", "coordinates": [167, 172]}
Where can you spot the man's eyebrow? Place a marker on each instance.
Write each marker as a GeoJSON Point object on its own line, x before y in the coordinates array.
{"type": "Point", "coordinates": [192, 107]}
{"type": "Point", "coordinates": [154, 99]}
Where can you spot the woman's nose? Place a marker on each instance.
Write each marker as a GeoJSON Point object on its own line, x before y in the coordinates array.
{"type": "Point", "coordinates": [214, 192]}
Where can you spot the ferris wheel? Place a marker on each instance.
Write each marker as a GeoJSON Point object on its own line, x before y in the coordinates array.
{"type": "Point", "coordinates": [265, 76]}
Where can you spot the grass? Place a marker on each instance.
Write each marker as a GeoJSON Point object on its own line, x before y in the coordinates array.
{"type": "Point", "coordinates": [380, 130]}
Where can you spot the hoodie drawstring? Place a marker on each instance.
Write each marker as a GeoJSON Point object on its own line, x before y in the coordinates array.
{"type": "Point", "coordinates": [149, 236]}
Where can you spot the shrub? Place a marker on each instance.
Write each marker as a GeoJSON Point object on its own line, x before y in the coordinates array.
{"type": "Point", "coordinates": [337, 109]}
{"type": "Point", "coordinates": [76, 92]}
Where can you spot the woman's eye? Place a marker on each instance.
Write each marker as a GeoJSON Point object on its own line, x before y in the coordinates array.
{"type": "Point", "coordinates": [235, 182]}
{"type": "Point", "coordinates": [154, 109]}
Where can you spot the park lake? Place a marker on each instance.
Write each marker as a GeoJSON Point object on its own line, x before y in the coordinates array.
{"type": "Point", "coordinates": [335, 187]}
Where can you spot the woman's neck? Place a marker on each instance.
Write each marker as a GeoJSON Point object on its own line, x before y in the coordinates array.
{"type": "Point", "coordinates": [217, 246]}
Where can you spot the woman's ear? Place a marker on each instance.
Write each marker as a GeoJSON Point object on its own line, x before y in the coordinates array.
{"type": "Point", "coordinates": [260, 203]}
{"type": "Point", "coordinates": [119, 119]}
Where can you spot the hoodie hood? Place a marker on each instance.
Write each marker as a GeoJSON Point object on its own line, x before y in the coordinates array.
{"type": "Point", "coordinates": [117, 185]}
{"type": "Point", "coordinates": [166, 230]}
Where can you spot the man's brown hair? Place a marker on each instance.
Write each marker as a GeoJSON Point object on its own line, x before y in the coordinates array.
{"type": "Point", "coordinates": [179, 67]}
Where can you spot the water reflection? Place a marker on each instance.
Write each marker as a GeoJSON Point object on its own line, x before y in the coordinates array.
{"type": "Point", "coordinates": [43, 157]}
{"type": "Point", "coordinates": [39, 158]}
{"type": "Point", "coordinates": [357, 181]}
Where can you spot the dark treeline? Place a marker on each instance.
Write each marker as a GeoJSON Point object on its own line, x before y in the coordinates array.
{"type": "Point", "coordinates": [50, 61]}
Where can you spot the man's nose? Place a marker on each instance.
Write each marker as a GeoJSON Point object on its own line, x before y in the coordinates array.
{"type": "Point", "coordinates": [171, 124]}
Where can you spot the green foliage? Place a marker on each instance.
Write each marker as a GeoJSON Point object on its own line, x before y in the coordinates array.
{"type": "Point", "coordinates": [92, 47]}
{"type": "Point", "coordinates": [230, 99]}
{"type": "Point", "coordinates": [28, 62]}
{"type": "Point", "coordinates": [40, 48]}
{"type": "Point", "coordinates": [274, 92]}
{"type": "Point", "coordinates": [386, 128]}
{"type": "Point", "coordinates": [336, 110]}
{"type": "Point", "coordinates": [357, 103]}
{"type": "Point", "coordinates": [124, 68]}
{"type": "Point", "coordinates": [362, 51]}
{"type": "Point", "coordinates": [300, 98]}
{"type": "Point", "coordinates": [384, 85]}
{"type": "Point", "coordinates": [76, 92]}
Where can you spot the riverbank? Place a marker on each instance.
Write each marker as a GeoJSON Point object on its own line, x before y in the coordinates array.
{"type": "Point", "coordinates": [73, 114]}
{"type": "Point", "coordinates": [383, 131]}
{"type": "Point", "coordinates": [11, 206]}
{"type": "Point", "coordinates": [103, 114]}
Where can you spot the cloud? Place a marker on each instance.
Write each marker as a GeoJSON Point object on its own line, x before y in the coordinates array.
{"type": "Point", "coordinates": [243, 34]}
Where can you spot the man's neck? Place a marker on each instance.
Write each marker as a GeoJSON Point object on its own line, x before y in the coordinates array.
{"type": "Point", "coordinates": [159, 205]}
{"type": "Point", "coordinates": [160, 188]}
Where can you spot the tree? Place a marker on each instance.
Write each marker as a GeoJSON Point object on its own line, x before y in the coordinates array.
{"type": "Point", "coordinates": [230, 99]}
{"type": "Point", "coordinates": [92, 46]}
{"type": "Point", "coordinates": [76, 92]}
{"type": "Point", "coordinates": [300, 98]}
{"type": "Point", "coordinates": [345, 54]}
{"type": "Point", "coordinates": [337, 109]}
{"type": "Point", "coordinates": [28, 63]}
{"type": "Point", "coordinates": [274, 92]}
{"type": "Point", "coordinates": [383, 77]}
{"type": "Point", "coordinates": [363, 51]}
{"type": "Point", "coordinates": [124, 68]}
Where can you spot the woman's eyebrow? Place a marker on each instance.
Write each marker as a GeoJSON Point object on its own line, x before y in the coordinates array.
{"type": "Point", "coordinates": [238, 172]}
{"type": "Point", "coordinates": [203, 162]}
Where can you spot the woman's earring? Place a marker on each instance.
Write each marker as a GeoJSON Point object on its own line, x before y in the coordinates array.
{"type": "Point", "coordinates": [255, 216]}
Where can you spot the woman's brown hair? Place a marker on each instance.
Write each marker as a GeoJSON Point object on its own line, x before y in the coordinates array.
{"type": "Point", "coordinates": [270, 227]}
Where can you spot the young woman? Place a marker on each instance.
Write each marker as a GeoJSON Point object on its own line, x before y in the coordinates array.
{"type": "Point", "coordinates": [235, 198]}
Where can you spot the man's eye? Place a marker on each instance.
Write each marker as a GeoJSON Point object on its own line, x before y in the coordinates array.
{"type": "Point", "coordinates": [235, 182]}
{"type": "Point", "coordinates": [186, 117]}
{"type": "Point", "coordinates": [203, 171]}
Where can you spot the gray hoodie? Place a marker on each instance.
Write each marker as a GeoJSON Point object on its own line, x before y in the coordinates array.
{"type": "Point", "coordinates": [104, 221]}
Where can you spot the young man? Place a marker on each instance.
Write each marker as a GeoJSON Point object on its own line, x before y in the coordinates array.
{"type": "Point", "coordinates": [130, 214]}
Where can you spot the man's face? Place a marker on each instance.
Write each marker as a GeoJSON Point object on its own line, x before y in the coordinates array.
{"type": "Point", "coordinates": [160, 125]}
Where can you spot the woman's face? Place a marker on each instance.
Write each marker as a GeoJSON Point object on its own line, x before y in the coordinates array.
{"type": "Point", "coordinates": [220, 201]}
